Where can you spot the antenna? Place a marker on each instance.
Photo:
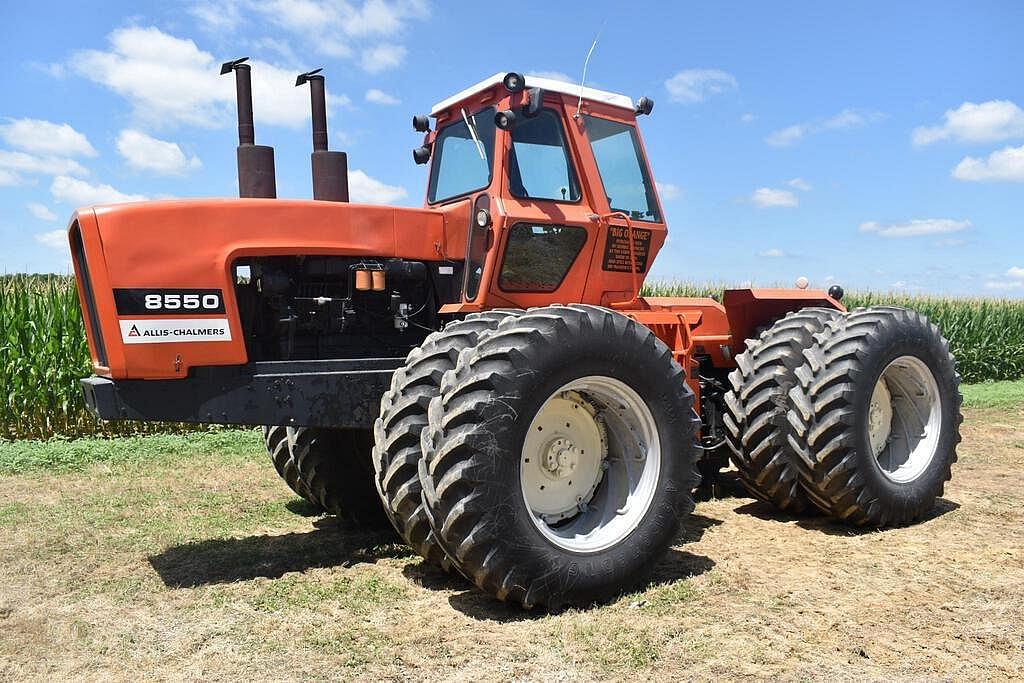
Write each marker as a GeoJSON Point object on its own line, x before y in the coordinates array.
{"type": "Point", "coordinates": [586, 63]}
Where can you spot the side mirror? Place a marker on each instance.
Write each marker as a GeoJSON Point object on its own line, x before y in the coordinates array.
{"type": "Point", "coordinates": [534, 102]}
{"type": "Point", "coordinates": [421, 155]}
{"type": "Point", "coordinates": [421, 124]}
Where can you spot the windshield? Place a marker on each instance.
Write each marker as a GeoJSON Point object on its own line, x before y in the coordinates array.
{"type": "Point", "coordinates": [463, 152]}
{"type": "Point", "coordinates": [623, 172]}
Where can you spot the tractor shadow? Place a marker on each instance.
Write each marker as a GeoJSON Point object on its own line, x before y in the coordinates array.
{"type": "Point", "coordinates": [677, 564]}
{"type": "Point", "coordinates": [332, 543]}
{"type": "Point", "coordinates": [814, 520]}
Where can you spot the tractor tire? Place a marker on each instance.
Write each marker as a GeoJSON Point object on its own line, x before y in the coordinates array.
{"type": "Point", "coordinates": [403, 415]}
{"type": "Point", "coordinates": [560, 457]}
{"type": "Point", "coordinates": [333, 468]}
{"type": "Point", "coordinates": [757, 404]}
{"type": "Point", "coordinates": [276, 440]}
{"type": "Point", "coordinates": [875, 417]}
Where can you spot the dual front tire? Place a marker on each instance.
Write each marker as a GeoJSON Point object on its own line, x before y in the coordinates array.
{"type": "Point", "coordinates": [557, 457]}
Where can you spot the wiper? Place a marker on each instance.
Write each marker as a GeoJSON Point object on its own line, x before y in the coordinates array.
{"type": "Point", "coordinates": [472, 131]}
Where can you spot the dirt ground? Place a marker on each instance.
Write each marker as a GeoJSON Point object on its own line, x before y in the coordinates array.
{"type": "Point", "coordinates": [206, 568]}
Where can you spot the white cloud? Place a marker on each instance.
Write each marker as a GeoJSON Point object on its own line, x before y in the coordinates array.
{"type": "Point", "coordinates": [1006, 164]}
{"type": "Point", "coordinates": [41, 211]}
{"type": "Point", "coordinates": [169, 80]}
{"type": "Point", "coordinates": [46, 137]}
{"type": "Point", "coordinates": [991, 121]}
{"type": "Point", "coordinates": [54, 239]}
{"type": "Point", "coordinates": [786, 136]}
{"type": "Point", "coordinates": [696, 85]}
{"type": "Point", "coordinates": [380, 97]}
{"type": "Point", "coordinates": [217, 17]}
{"type": "Point", "coordinates": [668, 191]}
{"type": "Point", "coordinates": [916, 227]}
{"type": "Point", "coordinates": [851, 118]}
{"type": "Point", "coordinates": [847, 118]}
{"type": "Point", "coordinates": [80, 193]}
{"type": "Point", "coordinates": [163, 77]}
{"type": "Point", "coordinates": [772, 253]}
{"type": "Point", "coordinates": [53, 70]}
{"type": "Point", "coordinates": [1016, 273]}
{"type": "Point", "coordinates": [9, 178]}
{"type": "Point", "coordinates": [1004, 284]}
{"type": "Point", "coordinates": [382, 57]}
{"type": "Point", "coordinates": [799, 184]}
{"type": "Point", "coordinates": [366, 190]}
{"type": "Point", "coordinates": [748, 118]}
{"type": "Point", "coordinates": [20, 162]}
{"type": "Point", "coordinates": [378, 17]}
{"type": "Point", "coordinates": [337, 27]}
{"type": "Point", "coordinates": [553, 75]}
{"type": "Point", "coordinates": [146, 153]}
{"type": "Point", "coordinates": [767, 197]}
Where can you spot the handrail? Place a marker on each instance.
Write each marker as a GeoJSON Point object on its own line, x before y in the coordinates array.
{"type": "Point", "coordinates": [604, 218]}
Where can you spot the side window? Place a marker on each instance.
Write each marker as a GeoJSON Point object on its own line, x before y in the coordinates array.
{"type": "Point", "coordinates": [462, 157]}
{"type": "Point", "coordinates": [539, 165]}
{"type": "Point", "coordinates": [623, 172]}
{"type": "Point", "coordinates": [537, 257]}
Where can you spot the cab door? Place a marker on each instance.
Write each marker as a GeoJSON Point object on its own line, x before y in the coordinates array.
{"type": "Point", "coordinates": [548, 238]}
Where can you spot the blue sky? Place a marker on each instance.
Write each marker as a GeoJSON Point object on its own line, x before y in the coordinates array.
{"type": "Point", "coordinates": [875, 144]}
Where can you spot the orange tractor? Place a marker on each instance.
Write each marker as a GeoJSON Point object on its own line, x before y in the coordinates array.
{"type": "Point", "coordinates": [484, 371]}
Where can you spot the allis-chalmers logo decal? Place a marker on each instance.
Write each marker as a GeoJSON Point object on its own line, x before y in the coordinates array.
{"type": "Point", "coordinates": [178, 330]}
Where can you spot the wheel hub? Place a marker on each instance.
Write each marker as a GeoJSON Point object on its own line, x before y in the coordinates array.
{"type": "Point", "coordinates": [562, 457]}
{"type": "Point", "coordinates": [879, 417]}
{"type": "Point", "coordinates": [590, 464]}
{"type": "Point", "coordinates": [905, 419]}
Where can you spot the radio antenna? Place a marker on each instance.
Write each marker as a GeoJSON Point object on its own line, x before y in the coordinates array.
{"type": "Point", "coordinates": [586, 63]}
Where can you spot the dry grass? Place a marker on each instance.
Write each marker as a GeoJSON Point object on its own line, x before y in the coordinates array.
{"type": "Point", "coordinates": [204, 568]}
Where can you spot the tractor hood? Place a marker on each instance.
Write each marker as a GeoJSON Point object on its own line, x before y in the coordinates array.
{"type": "Point", "coordinates": [192, 245]}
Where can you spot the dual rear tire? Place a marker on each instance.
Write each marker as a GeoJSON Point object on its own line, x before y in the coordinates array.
{"type": "Point", "coordinates": [329, 468]}
{"type": "Point", "coordinates": [853, 415]}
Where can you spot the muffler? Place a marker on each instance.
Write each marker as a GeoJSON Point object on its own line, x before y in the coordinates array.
{"type": "Point", "coordinates": [255, 162]}
{"type": "Point", "coordinates": [330, 169]}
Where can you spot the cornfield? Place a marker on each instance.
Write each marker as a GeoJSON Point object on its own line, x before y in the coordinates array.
{"type": "Point", "coordinates": [43, 351]}
{"type": "Point", "coordinates": [43, 354]}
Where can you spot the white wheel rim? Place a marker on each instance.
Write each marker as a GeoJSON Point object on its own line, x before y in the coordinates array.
{"type": "Point", "coordinates": [590, 463]}
{"type": "Point", "coordinates": [905, 419]}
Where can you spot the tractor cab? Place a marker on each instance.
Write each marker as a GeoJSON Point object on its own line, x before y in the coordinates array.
{"type": "Point", "coordinates": [556, 181]}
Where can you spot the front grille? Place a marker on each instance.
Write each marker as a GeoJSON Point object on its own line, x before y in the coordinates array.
{"type": "Point", "coordinates": [85, 286]}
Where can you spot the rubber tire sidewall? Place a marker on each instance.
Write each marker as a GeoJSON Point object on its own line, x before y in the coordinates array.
{"type": "Point", "coordinates": [906, 500]}
{"type": "Point", "coordinates": [602, 574]}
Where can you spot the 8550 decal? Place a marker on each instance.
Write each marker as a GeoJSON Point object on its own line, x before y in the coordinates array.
{"type": "Point", "coordinates": [168, 301]}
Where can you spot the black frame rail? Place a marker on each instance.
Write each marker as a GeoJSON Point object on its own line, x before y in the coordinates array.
{"type": "Point", "coordinates": [313, 393]}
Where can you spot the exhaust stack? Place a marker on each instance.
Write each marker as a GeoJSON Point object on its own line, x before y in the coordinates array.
{"type": "Point", "coordinates": [255, 162]}
{"type": "Point", "coordinates": [330, 169]}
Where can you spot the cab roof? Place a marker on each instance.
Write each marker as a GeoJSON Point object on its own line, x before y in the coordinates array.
{"type": "Point", "coordinates": [549, 84]}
